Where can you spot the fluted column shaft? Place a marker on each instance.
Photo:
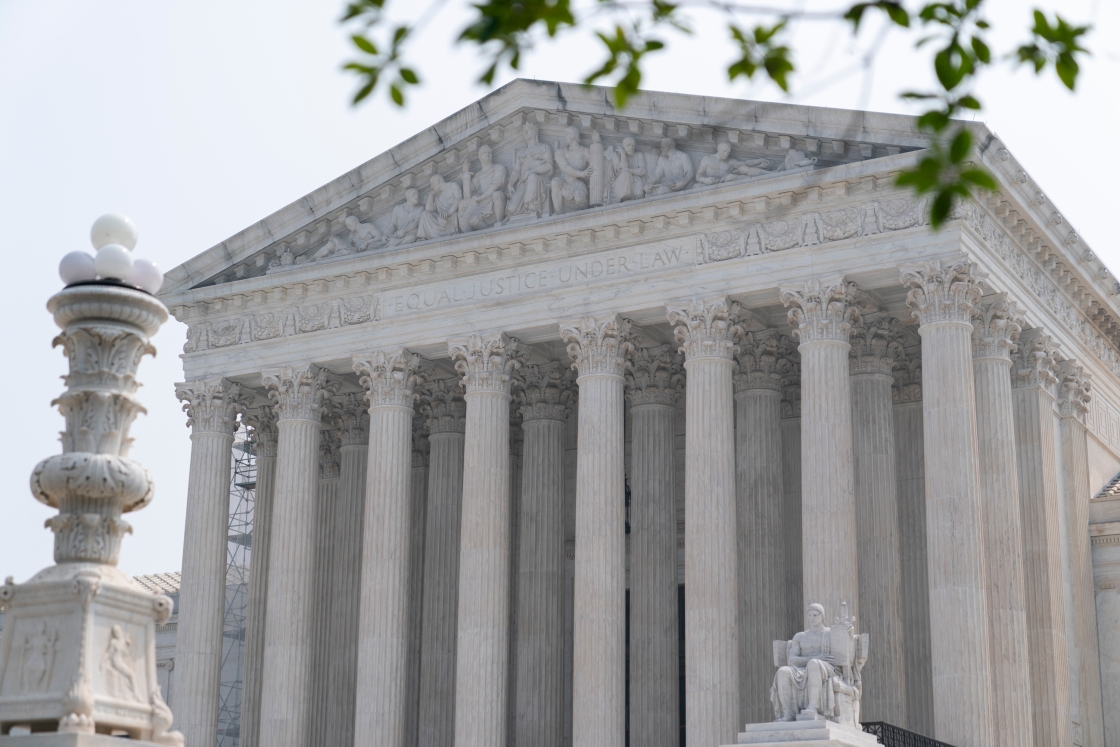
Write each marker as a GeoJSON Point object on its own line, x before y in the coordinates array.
{"type": "Point", "coordinates": [1105, 545]}
{"type": "Point", "coordinates": [482, 654]}
{"type": "Point", "coordinates": [418, 503]}
{"type": "Point", "coordinates": [711, 610]}
{"type": "Point", "coordinates": [913, 558]}
{"type": "Point", "coordinates": [289, 642]}
{"type": "Point", "coordinates": [212, 407]}
{"type": "Point", "coordinates": [326, 503]}
{"type": "Point", "coordinates": [264, 442]}
{"type": "Point", "coordinates": [994, 333]}
{"type": "Point", "coordinates": [654, 641]}
{"type": "Point", "coordinates": [441, 568]}
{"type": "Point", "coordinates": [1035, 425]}
{"type": "Point", "coordinates": [540, 643]}
{"type": "Point", "coordinates": [828, 507]}
{"type": "Point", "coordinates": [599, 607]}
{"type": "Point", "coordinates": [389, 377]}
{"type": "Point", "coordinates": [760, 520]}
{"type": "Point", "coordinates": [791, 510]}
{"type": "Point", "coordinates": [345, 574]}
{"type": "Point", "coordinates": [1073, 401]}
{"type": "Point", "coordinates": [944, 299]}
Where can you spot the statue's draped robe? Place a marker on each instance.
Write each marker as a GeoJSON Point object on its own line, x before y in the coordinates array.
{"type": "Point", "coordinates": [404, 221]}
{"type": "Point", "coordinates": [473, 214]}
{"type": "Point", "coordinates": [793, 681]}
{"type": "Point", "coordinates": [443, 220]}
{"type": "Point", "coordinates": [572, 188]}
{"type": "Point", "coordinates": [530, 180]}
{"type": "Point", "coordinates": [671, 170]}
{"type": "Point", "coordinates": [628, 175]}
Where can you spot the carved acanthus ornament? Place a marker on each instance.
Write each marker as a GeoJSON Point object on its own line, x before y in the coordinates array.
{"type": "Point", "coordinates": [908, 378]}
{"type": "Point", "coordinates": [330, 457]}
{"type": "Point", "coordinates": [789, 358]}
{"type": "Point", "coordinates": [1035, 362]}
{"type": "Point", "coordinates": [759, 362]}
{"type": "Point", "coordinates": [545, 392]}
{"type": "Point", "coordinates": [421, 446]}
{"type": "Point", "coordinates": [996, 329]}
{"type": "Point", "coordinates": [820, 310]}
{"type": "Point", "coordinates": [441, 403]}
{"type": "Point", "coordinates": [706, 329]}
{"type": "Point", "coordinates": [598, 347]}
{"type": "Point", "coordinates": [486, 362]}
{"type": "Point", "coordinates": [298, 391]}
{"type": "Point", "coordinates": [212, 405]}
{"type": "Point", "coordinates": [263, 430]}
{"type": "Point", "coordinates": [944, 292]}
{"type": "Point", "coordinates": [876, 346]}
{"type": "Point", "coordinates": [389, 377]}
{"type": "Point", "coordinates": [1074, 390]}
{"type": "Point", "coordinates": [654, 376]}
{"type": "Point", "coordinates": [350, 417]}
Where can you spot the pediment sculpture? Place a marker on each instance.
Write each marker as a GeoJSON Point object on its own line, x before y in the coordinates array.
{"type": "Point", "coordinates": [818, 675]}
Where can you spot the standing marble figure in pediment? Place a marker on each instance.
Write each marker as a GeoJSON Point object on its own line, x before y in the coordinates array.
{"type": "Point", "coordinates": [404, 220]}
{"type": "Point", "coordinates": [529, 180]}
{"type": "Point", "coordinates": [569, 188]}
{"type": "Point", "coordinates": [627, 170]}
{"type": "Point", "coordinates": [441, 210]}
{"type": "Point", "coordinates": [673, 171]}
{"type": "Point", "coordinates": [484, 202]}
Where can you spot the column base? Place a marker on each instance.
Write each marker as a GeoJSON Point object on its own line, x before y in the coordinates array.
{"type": "Point", "coordinates": [69, 740]}
{"type": "Point", "coordinates": [809, 733]}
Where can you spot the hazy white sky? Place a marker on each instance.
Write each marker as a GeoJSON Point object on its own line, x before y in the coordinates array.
{"type": "Point", "coordinates": [197, 119]}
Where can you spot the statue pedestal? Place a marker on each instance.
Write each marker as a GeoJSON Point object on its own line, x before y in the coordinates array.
{"type": "Point", "coordinates": [809, 733]}
{"type": "Point", "coordinates": [56, 739]}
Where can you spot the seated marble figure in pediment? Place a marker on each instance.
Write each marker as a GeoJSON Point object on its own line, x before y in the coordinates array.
{"type": "Point", "coordinates": [818, 673]}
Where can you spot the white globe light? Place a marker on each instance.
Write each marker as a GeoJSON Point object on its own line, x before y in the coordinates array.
{"type": "Point", "coordinates": [113, 261]}
{"type": "Point", "coordinates": [76, 267]}
{"type": "Point", "coordinates": [113, 229]}
{"type": "Point", "coordinates": [145, 275]}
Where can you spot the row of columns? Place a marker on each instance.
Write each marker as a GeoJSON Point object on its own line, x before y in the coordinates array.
{"type": "Point", "coordinates": [878, 528]}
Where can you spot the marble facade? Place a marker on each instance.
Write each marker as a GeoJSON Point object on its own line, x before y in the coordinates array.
{"type": "Point", "coordinates": [723, 307]}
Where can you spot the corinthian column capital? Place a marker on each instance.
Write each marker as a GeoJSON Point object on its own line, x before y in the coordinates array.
{"type": "Point", "coordinates": [820, 309]}
{"type": "Point", "coordinates": [761, 366]}
{"type": "Point", "coordinates": [388, 376]}
{"type": "Point", "coordinates": [351, 418]}
{"type": "Point", "coordinates": [598, 347]}
{"type": "Point", "coordinates": [262, 429]}
{"type": "Point", "coordinates": [1035, 362]}
{"type": "Point", "coordinates": [706, 328]}
{"type": "Point", "coordinates": [442, 405]}
{"type": "Point", "coordinates": [1074, 390]}
{"type": "Point", "coordinates": [876, 346]}
{"type": "Point", "coordinates": [212, 405]}
{"type": "Point", "coordinates": [330, 455]}
{"type": "Point", "coordinates": [486, 362]}
{"type": "Point", "coordinates": [996, 329]}
{"type": "Point", "coordinates": [545, 392]}
{"type": "Point", "coordinates": [654, 376]}
{"type": "Point", "coordinates": [944, 292]}
{"type": "Point", "coordinates": [298, 391]}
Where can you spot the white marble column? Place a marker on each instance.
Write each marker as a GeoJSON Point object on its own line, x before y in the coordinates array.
{"type": "Point", "coordinates": [545, 395]}
{"type": "Point", "coordinates": [995, 331]}
{"type": "Point", "coordinates": [352, 423]}
{"type": "Point", "coordinates": [418, 518]}
{"type": "Point", "coordinates": [212, 407]}
{"type": "Point", "coordinates": [326, 553]}
{"type": "Point", "coordinates": [875, 344]}
{"type": "Point", "coordinates": [944, 298]}
{"type": "Point", "coordinates": [910, 452]}
{"type": "Point", "coordinates": [1034, 378]}
{"type": "Point", "coordinates": [446, 414]}
{"type": "Point", "coordinates": [1105, 542]}
{"type": "Point", "coordinates": [711, 610]}
{"type": "Point", "coordinates": [482, 652]}
{"type": "Point", "coordinates": [298, 392]}
{"type": "Point", "coordinates": [653, 387]}
{"type": "Point", "coordinates": [599, 607]}
{"type": "Point", "coordinates": [516, 443]}
{"type": "Point", "coordinates": [389, 377]}
{"type": "Point", "coordinates": [760, 518]}
{"type": "Point", "coordinates": [1073, 403]}
{"type": "Point", "coordinates": [791, 482]}
{"type": "Point", "coordinates": [822, 320]}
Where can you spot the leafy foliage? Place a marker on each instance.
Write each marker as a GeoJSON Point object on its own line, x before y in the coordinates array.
{"type": "Point", "coordinates": [504, 30]}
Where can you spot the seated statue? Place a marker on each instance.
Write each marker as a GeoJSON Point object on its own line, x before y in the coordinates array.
{"type": "Point", "coordinates": [441, 211]}
{"type": "Point", "coordinates": [819, 672]}
{"type": "Point", "coordinates": [673, 171]}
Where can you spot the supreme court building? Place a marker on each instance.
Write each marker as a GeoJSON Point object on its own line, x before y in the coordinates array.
{"type": "Point", "coordinates": [563, 414]}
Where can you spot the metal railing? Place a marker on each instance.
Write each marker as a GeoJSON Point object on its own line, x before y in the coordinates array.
{"type": "Point", "coordinates": [890, 735]}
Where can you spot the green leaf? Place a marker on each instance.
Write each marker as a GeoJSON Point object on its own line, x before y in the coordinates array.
{"type": "Point", "coordinates": [981, 49]}
{"type": "Point", "coordinates": [364, 91]}
{"type": "Point", "coordinates": [961, 145]}
{"type": "Point", "coordinates": [409, 76]}
{"type": "Point", "coordinates": [396, 94]}
{"type": "Point", "coordinates": [980, 178]}
{"type": "Point", "coordinates": [363, 44]}
{"type": "Point", "coordinates": [941, 208]}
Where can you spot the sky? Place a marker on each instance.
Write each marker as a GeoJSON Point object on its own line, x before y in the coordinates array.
{"type": "Point", "coordinates": [198, 119]}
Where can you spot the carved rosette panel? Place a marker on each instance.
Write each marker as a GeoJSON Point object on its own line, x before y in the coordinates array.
{"type": "Point", "coordinates": [996, 329]}
{"type": "Point", "coordinates": [876, 346]}
{"type": "Point", "coordinates": [486, 362]}
{"type": "Point", "coordinates": [389, 377]}
{"type": "Point", "coordinates": [1074, 390]}
{"type": "Point", "coordinates": [441, 403]}
{"type": "Point", "coordinates": [820, 310]}
{"type": "Point", "coordinates": [654, 376]}
{"type": "Point", "coordinates": [212, 405]}
{"type": "Point", "coordinates": [941, 292]}
{"type": "Point", "coordinates": [263, 430]}
{"type": "Point", "coordinates": [598, 347]}
{"type": "Point", "coordinates": [350, 418]}
{"type": "Point", "coordinates": [760, 364]}
{"type": "Point", "coordinates": [789, 358]}
{"type": "Point", "coordinates": [1035, 362]}
{"type": "Point", "coordinates": [330, 456]}
{"type": "Point", "coordinates": [544, 392]}
{"type": "Point", "coordinates": [298, 392]}
{"type": "Point", "coordinates": [705, 329]}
